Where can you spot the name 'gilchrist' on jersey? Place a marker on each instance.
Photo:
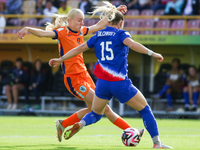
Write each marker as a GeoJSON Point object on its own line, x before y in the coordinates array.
{"type": "Point", "coordinates": [106, 33]}
{"type": "Point", "coordinates": [111, 53]}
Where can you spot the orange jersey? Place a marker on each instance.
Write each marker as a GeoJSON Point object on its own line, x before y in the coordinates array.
{"type": "Point", "coordinates": [68, 41]}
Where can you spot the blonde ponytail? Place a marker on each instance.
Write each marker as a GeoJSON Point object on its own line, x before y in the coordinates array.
{"type": "Point", "coordinates": [107, 9]}
{"type": "Point", "coordinates": [61, 20]}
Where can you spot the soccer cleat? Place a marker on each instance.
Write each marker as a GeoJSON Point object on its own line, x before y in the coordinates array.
{"type": "Point", "coordinates": [60, 129]}
{"type": "Point", "coordinates": [161, 146]}
{"type": "Point", "coordinates": [142, 131]}
{"type": "Point", "coordinates": [73, 130]}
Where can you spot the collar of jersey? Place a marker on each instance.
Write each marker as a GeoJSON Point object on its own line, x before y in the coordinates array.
{"type": "Point", "coordinates": [112, 28]}
{"type": "Point", "coordinates": [72, 30]}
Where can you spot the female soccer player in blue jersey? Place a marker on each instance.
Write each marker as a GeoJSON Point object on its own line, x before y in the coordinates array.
{"type": "Point", "coordinates": [111, 48]}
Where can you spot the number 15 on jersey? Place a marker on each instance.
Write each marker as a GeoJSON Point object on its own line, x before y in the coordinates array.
{"type": "Point", "coordinates": [105, 46]}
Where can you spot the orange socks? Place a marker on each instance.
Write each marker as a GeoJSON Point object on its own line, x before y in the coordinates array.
{"type": "Point", "coordinates": [70, 120]}
{"type": "Point", "coordinates": [121, 123]}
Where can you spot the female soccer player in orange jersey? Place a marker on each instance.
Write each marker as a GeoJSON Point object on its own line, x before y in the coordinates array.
{"type": "Point", "coordinates": [70, 32]}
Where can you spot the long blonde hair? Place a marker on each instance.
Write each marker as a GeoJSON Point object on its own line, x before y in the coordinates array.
{"type": "Point", "coordinates": [62, 20]}
{"type": "Point", "coordinates": [106, 10]}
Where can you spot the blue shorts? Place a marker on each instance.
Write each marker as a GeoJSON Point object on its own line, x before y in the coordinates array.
{"type": "Point", "coordinates": [123, 90]}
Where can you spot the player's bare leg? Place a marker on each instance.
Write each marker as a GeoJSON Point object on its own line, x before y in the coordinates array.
{"type": "Point", "coordinates": [98, 106]}
{"type": "Point", "coordinates": [88, 100]}
{"type": "Point", "coordinates": [109, 113]}
{"type": "Point", "coordinates": [59, 123]}
{"type": "Point", "coordinates": [112, 116]}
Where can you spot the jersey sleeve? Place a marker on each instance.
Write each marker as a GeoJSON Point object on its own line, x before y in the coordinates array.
{"type": "Point", "coordinates": [59, 33]}
{"type": "Point", "coordinates": [124, 35]}
{"type": "Point", "coordinates": [91, 41]}
{"type": "Point", "coordinates": [85, 30]}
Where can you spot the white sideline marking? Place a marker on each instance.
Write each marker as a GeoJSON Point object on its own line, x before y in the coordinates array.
{"type": "Point", "coordinates": [98, 135]}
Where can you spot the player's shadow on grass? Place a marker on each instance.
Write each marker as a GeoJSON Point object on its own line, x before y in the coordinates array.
{"type": "Point", "coordinates": [113, 148]}
{"type": "Point", "coordinates": [49, 147]}
{"type": "Point", "coordinates": [61, 147]}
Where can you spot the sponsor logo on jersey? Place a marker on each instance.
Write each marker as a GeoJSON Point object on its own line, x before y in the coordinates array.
{"type": "Point", "coordinates": [83, 89]}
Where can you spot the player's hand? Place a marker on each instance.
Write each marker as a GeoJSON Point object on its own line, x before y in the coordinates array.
{"type": "Point", "coordinates": [122, 9]}
{"type": "Point", "coordinates": [158, 56]}
{"type": "Point", "coordinates": [22, 32]}
{"type": "Point", "coordinates": [54, 62]}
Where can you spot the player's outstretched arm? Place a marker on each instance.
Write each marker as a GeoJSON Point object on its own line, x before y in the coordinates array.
{"type": "Point", "coordinates": [36, 32]}
{"type": "Point", "coordinates": [75, 51]}
{"type": "Point", "coordinates": [141, 49]}
{"type": "Point", "coordinates": [103, 22]}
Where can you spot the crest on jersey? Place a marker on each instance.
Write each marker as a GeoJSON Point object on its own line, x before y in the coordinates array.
{"type": "Point", "coordinates": [83, 89]}
{"type": "Point", "coordinates": [78, 41]}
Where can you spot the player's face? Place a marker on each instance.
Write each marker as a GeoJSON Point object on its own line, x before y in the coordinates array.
{"type": "Point", "coordinates": [77, 22]}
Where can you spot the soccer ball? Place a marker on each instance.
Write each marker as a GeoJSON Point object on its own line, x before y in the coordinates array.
{"type": "Point", "coordinates": [130, 137]}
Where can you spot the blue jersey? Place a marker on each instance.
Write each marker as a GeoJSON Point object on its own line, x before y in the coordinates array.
{"type": "Point", "coordinates": [111, 53]}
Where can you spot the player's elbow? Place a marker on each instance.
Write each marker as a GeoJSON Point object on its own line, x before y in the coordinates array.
{"type": "Point", "coordinates": [39, 35]}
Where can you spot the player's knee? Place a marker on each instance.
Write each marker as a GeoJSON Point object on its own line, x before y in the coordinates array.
{"type": "Point", "coordinates": [107, 109]}
{"type": "Point", "coordinates": [145, 110]}
{"type": "Point", "coordinates": [89, 108]}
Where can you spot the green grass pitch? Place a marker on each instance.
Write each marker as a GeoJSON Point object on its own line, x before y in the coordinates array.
{"type": "Point", "coordinates": [39, 133]}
